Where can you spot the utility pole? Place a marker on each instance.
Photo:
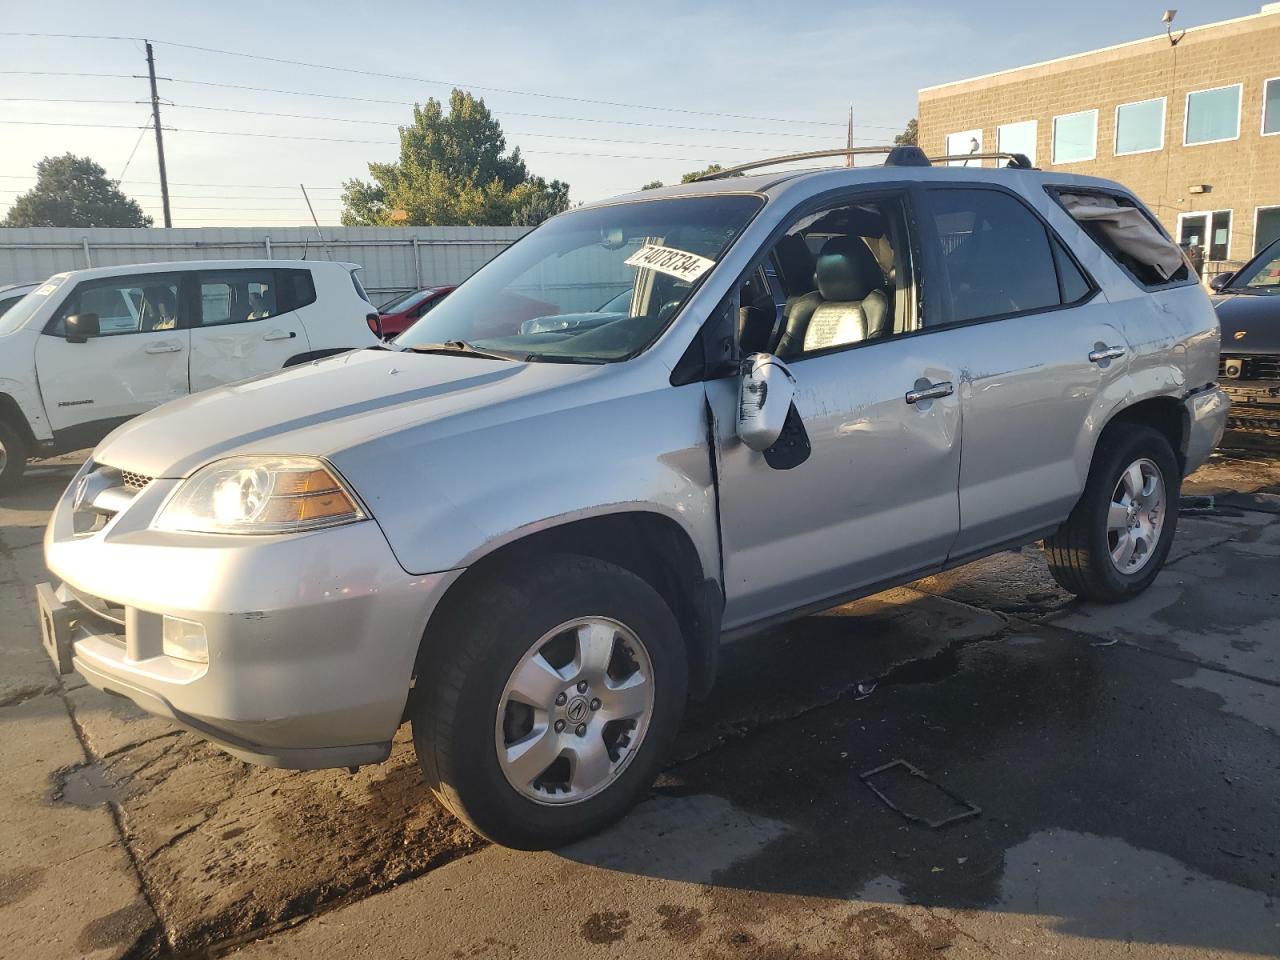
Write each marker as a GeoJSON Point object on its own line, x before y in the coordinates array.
{"type": "Point", "coordinates": [155, 117]}
{"type": "Point", "coordinates": [848, 160]}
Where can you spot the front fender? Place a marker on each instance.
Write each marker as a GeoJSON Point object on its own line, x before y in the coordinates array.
{"type": "Point", "coordinates": [26, 400]}
{"type": "Point", "coordinates": [446, 501]}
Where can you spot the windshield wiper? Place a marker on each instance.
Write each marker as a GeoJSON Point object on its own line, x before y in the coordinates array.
{"type": "Point", "coordinates": [458, 346]}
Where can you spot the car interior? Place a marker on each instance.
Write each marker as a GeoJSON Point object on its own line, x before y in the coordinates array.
{"type": "Point", "coordinates": [836, 278]}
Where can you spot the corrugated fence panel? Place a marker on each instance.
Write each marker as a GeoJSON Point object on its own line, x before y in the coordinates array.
{"type": "Point", "coordinates": [387, 254]}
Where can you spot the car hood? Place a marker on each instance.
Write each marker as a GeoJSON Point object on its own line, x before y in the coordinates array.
{"type": "Point", "coordinates": [323, 408]}
{"type": "Point", "coordinates": [1250, 322]}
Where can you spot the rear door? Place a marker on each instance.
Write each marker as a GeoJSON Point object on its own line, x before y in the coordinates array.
{"type": "Point", "coordinates": [1041, 360]}
{"type": "Point", "coordinates": [246, 325]}
{"type": "Point", "coordinates": [138, 360]}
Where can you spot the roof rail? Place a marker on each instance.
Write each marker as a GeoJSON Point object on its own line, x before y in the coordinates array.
{"type": "Point", "coordinates": [1017, 161]}
{"type": "Point", "coordinates": [896, 156]}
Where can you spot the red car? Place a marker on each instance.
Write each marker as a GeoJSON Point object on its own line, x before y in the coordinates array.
{"type": "Point", "coordinates": [399, 314]}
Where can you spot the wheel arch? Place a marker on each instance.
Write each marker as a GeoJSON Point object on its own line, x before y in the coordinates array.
{"type": "Point", "coordinates": [11, 413]}
{"type": "Point", "coordinates": [647, 543]}
{"type": "Point", "coordinates": [1166, 415]}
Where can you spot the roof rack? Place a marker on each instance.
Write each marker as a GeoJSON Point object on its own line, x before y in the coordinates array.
{"type": "Point", "coordinates": [1017, 161]}
{"type": "Point", "coordinates": [897, 156]}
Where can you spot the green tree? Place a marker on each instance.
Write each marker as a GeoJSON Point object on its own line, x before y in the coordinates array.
{"type": "Point", "coordinates": [73, 191]}
{"type": "Point", "coordinates": [453, 169]}
{"type": "Point", "coordinates": [653, 185]}
{"type": "Point", "coordinates": [910, 135]}
{"type": "Point", "coordinates": [695, 174]}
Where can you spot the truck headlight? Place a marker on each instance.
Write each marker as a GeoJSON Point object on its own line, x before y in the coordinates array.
{"type": "Point", "coordinates": [260, 495]}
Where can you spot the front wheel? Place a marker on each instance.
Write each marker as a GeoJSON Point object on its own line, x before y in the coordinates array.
{"type": "Point", "coordinates": [1116, 539]}
{"type": "Point", "coordinates": [547, 699]}
{"type": "Point", "coordinates": [13, 456]}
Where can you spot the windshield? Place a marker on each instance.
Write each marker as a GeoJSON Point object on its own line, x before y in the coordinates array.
{"type": "Point", "coordinates": [1263, 273]}
{"type": "Point", "coordinates": [406, 300]}
{"type": "Point", "coordinates": [17, 315]}
{"type": "Point", "coordinates": [590, 286]}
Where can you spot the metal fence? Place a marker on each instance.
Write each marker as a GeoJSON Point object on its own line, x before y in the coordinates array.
{"type": "Point", "coordinates": [394, 259]}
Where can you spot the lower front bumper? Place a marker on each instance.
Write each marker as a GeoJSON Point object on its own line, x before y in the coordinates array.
{"type": "Point", "coordinates": [311, 640]}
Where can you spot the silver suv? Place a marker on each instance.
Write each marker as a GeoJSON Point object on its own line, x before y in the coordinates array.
{"type": "Point", "coordinates": [652, 425]}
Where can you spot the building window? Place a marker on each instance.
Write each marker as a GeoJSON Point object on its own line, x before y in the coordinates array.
{"type": "Point", "coordinates": [1075, 137]}
{"type": "Point", "coordinates": [1213, 115]}
{"type": "Point", "coordinates": [1207, 236]}
{"type": "Point", "coordinates": [1271, 107]}
{"type": "Point", "coordinates": [1020, 138]}
{"type": "Point", "coordinates": [1266, 227]}
{"type": "Point", "coordinates": [962, 144]}
{"type": "Point", "coordinates": [1140, 126]}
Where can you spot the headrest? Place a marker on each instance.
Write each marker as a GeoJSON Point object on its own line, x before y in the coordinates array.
{"type": "Point", "coordinates": [796, 263]}
{"type": "Point", "coordinates": [847, 270]}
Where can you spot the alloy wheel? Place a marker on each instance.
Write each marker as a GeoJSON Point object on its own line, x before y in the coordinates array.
{"type": "Point", "coordinates": [1136, 516]}
{"type": "Point", "coordinates": [574, 711]}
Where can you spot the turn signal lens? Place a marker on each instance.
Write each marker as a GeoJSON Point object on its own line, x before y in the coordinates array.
{"type": "Point", "coordinates": [260, 495]}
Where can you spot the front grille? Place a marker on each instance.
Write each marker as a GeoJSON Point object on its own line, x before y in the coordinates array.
{"type": "Point", "coordinates": [1251, 368]}
{"type": "Point", "coordinates": [135, 481]}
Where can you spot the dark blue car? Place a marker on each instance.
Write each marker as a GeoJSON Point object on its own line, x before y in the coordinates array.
{"type": "Point", "coordinates": [1248, 304]}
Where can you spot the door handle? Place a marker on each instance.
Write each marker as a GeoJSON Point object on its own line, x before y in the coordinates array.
{"type": "Point", "coordinates": [935, 392]}
{"type": "Point", "coordinates": [164, 348]}
{"type": "Point", "coordinates": [280, 335]}
{"type": "Point", "coordinates": [1106, 353]}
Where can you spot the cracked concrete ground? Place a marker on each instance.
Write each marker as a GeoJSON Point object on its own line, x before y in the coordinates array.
{"type": "Point", "coordinates": [1125, 759]}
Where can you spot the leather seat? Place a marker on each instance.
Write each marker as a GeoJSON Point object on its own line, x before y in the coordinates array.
{"type": "Point", "coordinates": [850, 304]}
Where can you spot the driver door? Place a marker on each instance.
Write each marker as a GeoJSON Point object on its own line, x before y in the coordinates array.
{"type": "Point", "coordinates": [877, 499]}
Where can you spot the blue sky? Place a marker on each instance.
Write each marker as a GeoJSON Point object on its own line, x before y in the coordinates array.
{"type": "Point", "coordinates": [699, 62]}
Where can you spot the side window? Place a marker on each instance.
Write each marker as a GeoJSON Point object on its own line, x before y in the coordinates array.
{"type": "Point", "coordinates": [1074, 285]}
{"type": "Point", "coordinates": [297, 289]}
{"type": "Point", "coordinates": [838, 277]}
{"type": "Point", "coordinates": [138, 304]}
{"type": "Point", "coordinates": [238, 296]}
{"type": "Point", "coordinates": [1130, 235]}
{"type": "Point", "coordinates": [996, 254]}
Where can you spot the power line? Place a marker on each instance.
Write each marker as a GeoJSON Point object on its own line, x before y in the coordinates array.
{"type": "Point", "coordinates": [443, 83]}
{"type": "Point", "coordinates": [243, 186]}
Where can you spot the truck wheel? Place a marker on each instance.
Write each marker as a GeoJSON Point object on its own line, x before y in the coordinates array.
{"type": "Point", "coordinates": [13, 456]}
{"type": "Point", "coordinates": [1117, 538]}
{"type": "Point", "coordinates": [548, 696]}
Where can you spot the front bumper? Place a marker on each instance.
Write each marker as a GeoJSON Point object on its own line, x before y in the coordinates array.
{"type": "Point", "coordinates": [311, 638]}
{"type": "Point", "coordinates": [1206, 419]}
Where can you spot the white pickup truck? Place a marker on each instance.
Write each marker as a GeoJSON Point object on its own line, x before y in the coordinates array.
{"type": "Point", "coordinates": [87, 350]}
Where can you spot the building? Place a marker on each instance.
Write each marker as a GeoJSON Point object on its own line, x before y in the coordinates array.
{"type": "Point", "coordinates": [1192, 127]}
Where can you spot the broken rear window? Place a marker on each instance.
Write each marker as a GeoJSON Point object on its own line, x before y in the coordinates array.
{"type": "Point", "coordinates": [1129, 234]}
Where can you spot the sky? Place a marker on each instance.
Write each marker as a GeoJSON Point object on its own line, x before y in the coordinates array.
{"type": "Point", "coordinates": [606, 96]}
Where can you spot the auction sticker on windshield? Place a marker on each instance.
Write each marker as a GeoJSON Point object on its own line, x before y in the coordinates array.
{"type": "Point", "coordinates": [677, 263]}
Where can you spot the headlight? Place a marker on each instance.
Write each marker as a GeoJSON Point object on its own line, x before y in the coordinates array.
{"type": "Point", "coordinates": [260, 495]}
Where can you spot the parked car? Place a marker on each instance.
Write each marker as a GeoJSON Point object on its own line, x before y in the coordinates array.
{"type": "Point", "coordinates": [89, 349]}
{"type": "Point", "coordinates": [530, 544]}
{"type": "Point", "coordinates": [1248, 305]}
{"type": "Point", "coordinates": [399, 313]}
{"type": "Point", "coordinates": [12, 293]}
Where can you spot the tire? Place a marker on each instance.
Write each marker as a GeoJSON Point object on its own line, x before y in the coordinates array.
{"type": "Point", "coordinates": [1080, 552]}
{"type": "Point", "coordinates": [13, 456]}
{"type": "Point", "coordinates": [466, 708]}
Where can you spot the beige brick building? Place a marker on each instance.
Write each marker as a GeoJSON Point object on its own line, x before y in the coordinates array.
{"type": "Point", "coordinates": [1193, 128]}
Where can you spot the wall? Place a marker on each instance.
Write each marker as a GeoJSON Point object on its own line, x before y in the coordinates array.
{"type": "Point", "coordinates": [1243, 174]}
{"type": "Point", "coordinates": [394, 259]}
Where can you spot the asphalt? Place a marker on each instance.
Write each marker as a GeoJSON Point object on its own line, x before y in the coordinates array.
{"type": "Point", "coordinates": [1113, 772]}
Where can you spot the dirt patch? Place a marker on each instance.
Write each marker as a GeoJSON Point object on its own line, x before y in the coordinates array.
{"type": "Point", "coordinates": [681, 923]}
{"type": "Point", "coordinates": [607, 927]}
{"type": "Point", "coordinates": [127, 925]}
{"type": "Point", "coordinates": [17, 885]}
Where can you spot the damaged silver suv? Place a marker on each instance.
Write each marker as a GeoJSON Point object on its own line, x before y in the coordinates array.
{"type": "Point", "coordinates": [652, 425]}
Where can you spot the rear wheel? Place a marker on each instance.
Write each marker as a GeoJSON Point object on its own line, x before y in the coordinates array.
{"type": "Point", "coordinates": [546, 705]}
{"type": "Point", "coordinates": [1119, 534]}
{"type": "Point", "coordinates": [13, 456]}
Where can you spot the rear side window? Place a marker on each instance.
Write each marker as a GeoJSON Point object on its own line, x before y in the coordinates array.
{"type": "Point", "coordinates": [297, 289]}
{"type": "Point", "coordinates": [996, 253]}
{"type": "Point", "coordinates": [1129, 235]}
{"type": "Point", "coordinates": [243, 296]}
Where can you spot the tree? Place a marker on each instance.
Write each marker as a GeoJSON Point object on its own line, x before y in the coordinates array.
{"type": "Point", "coordinates": [453, 169]}
{"type": "Point", "coordinates": [73, 191]}
{"type": "Point", "coordinates": [695, 174]}
{"type": "Point", "coordinates": [653, 185]}
{"type": "Point", "coordinates": [910, 135]}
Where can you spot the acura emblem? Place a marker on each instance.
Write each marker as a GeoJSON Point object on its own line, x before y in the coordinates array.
{"type": "Point", "coordinates": [577, 710]}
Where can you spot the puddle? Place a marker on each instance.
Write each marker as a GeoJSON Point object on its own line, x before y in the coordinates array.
{"type": "Point", "coordinates": [85, 786]}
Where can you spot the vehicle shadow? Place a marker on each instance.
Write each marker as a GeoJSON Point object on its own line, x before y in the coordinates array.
{"type": "Point", "coordinates": [1118, 802]}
